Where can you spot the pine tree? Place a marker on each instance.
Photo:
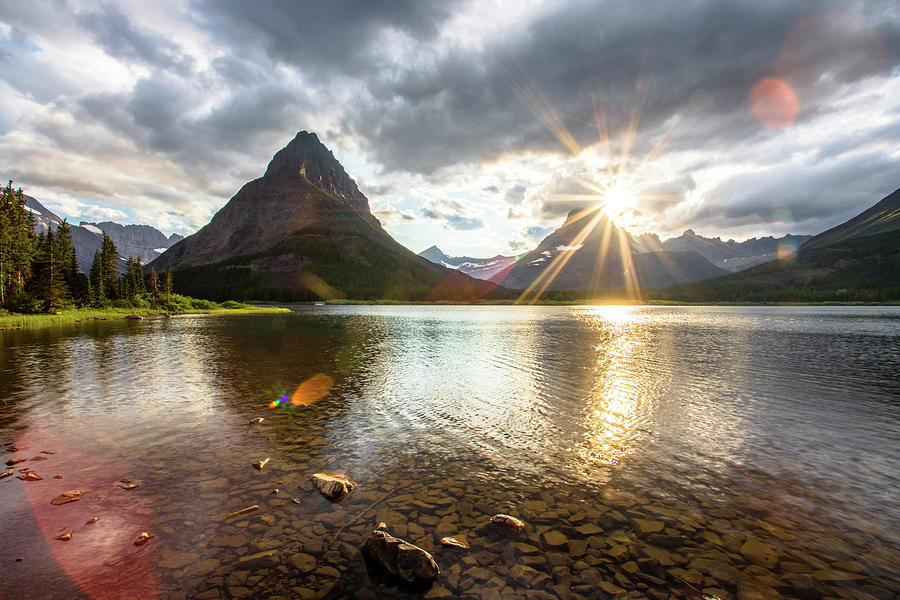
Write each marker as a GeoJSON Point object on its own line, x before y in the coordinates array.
{"type": "Point", "coordinates": [167, 283]}
{"type": "Point", "coordinates": [17, 243]}
{"type": "Point", "coordinates": [133, 278]}
{"type": "Point", "coordinates": [46, 284]}
{"type": "Point", "coordinates": [66, 264]}
{"type": "Point", "coordinates": [154, 282]}
{"type": "Point", "coordinates": [109, 269]}
{"type": "Point", "coordinates": [97, 283]}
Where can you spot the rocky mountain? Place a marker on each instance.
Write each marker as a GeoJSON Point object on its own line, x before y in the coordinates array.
{"type": "Point", "coordinates": [479, 268]}
{"type": "Point", "coordinates": [858, 260]}
{"type": "Point", "coordinates": [141, 241]}
{"type": "Point", "coordinates": [729, 255]}
{"type": "Point", "coordinates": [304, 231]}
{"type": "Point", "coordinates": [581, 256]}
{"type": "Point", "coordinates": [882, 217]}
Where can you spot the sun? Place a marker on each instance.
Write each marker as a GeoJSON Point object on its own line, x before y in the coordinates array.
{"type": "Point", "coordinates": [617, 199]}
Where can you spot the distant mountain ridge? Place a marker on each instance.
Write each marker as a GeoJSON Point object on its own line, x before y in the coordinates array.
{"type": "Point", "coordinates": [729, 255]}
{"type": "Point", "coordinates": [141, 241]}
{"type": "Point", "coordinates": [859, 260]}
{"type": "Point", "coordinates": [479, 268]}
{"type": "Point", "coordinates": [304, 231]}
{"type": "Point", "coordinates": [603, 258]}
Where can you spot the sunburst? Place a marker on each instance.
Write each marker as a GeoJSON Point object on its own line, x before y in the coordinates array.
{"type": "Point", "coordinates": [609, 190]}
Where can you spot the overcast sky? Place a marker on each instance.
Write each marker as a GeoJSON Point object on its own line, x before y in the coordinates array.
{"type": "Point", "coordinates": [472, 125]}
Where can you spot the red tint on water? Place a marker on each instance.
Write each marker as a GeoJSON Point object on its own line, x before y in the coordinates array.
{"type": "Point", "coordinates": [101, 557]}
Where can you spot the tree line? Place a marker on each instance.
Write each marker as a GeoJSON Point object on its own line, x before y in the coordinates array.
{"type": "Point", "coordinates": [39, 273]}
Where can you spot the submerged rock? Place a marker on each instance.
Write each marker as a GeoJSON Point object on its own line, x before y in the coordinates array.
{"type": "Point", "coordinates": [451, 542]}
{"type": "Point", "coordinates": [332, 486]}
{"type": "Point", "coordinates": [759, 553]}
{"type": "Point", "coordinates": [399, 558]}
{"type": "Point", "coordinates": [66, 497]}
{"type": "Point", "coordinates": [507, 526]}
{"type": "Point", "coordinates": [142, 538]}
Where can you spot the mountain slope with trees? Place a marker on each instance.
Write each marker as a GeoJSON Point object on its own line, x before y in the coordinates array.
{"type": "Point", "coordinates": [858, 260]}
{"type": "Point", "coordinates": [304, 231]}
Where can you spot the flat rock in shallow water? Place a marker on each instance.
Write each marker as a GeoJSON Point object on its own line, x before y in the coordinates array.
{"type": "Point", "coordinates": [506, 526]}
{"type": "Point", "coordinates": [66, 497]}
{"type": "Point", "coordinates": [332, 486]}
{"type": "Point", "coordinates": [451, 542]}
{"type": "Point", "coordinates": [399, 558]}
{"type": "Point", "coordinates": [759, 553]}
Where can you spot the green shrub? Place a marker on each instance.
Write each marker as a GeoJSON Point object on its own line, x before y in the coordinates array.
{"type": "Point", "coordinates": [232, 305]}
{"type": "Point", "coordinates": [201, 304]}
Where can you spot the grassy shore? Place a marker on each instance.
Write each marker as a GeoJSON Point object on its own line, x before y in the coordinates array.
{"type": "Point", "coordinates": [77, 315]}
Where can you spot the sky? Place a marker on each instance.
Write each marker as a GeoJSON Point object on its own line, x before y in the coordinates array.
{"type": "Point", "coordinates": [475, 126]}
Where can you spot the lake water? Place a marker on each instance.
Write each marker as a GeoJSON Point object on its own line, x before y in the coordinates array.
{"type": "Point", "coordinates": [654, 452]}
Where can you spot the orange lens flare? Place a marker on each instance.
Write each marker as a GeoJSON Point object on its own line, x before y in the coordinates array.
{"type": "Point", "coordinates": [314, 388]}
{"type": "Point", "coordinates": [773, 103]}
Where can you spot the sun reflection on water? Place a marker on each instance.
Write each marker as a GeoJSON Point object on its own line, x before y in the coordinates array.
{"type": "Point", "coordinates": [616, 409]}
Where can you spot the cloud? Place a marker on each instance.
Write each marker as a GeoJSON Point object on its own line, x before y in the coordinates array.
{"type": "Point", "coordinates": [175, 109]}
{"type": "Point", "coordinates": [348, 37]}
{"type": "Point", "coordinates": [529, 237]}
{"type": "Point", "coordinates": [115, 33]}
{"type": "Point", "coordinates": [389, 216]}
{"type": "Point", "coordinates": [515, 194]}
{"type": "Point", "coordinates": [455, 214]}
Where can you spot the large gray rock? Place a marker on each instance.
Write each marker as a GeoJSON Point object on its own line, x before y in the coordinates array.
{"type": "Point", "coordinates": [332, 486]}
{"type": "Point", "coordinates": [399, 558]}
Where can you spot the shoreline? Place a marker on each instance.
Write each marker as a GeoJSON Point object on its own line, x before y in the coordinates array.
{"type": "Point", "coordinates": [82, 315]}
{"type": "Point", "coordinates": [566, 303]}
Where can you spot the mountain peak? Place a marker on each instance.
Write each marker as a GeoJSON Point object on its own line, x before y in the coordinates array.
{"type": "Point", "coordinates": [305, 157]}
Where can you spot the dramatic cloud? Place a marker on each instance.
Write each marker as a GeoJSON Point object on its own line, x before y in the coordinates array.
{"type": "Point", "coordinates": [734, 118]}
{"type": "Point", "coordinates": [388, 215]}
{"type": "Point", "coordinates": [454, 214]}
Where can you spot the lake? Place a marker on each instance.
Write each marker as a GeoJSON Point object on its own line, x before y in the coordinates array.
{"type": "Point", "coordinates": [654, 452]}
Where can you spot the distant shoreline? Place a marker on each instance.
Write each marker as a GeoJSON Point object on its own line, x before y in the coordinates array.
{"type": "Point", "coordinates": [83, 315]}
{"type": "Point", "coordinates": [566, 303]}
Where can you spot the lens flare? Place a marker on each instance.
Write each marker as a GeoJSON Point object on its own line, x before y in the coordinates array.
{"type": "Point", "coordinates": [278, 401]}
{"type": "Point", "coordinates": [773, 103]}
{"type": "Point", "coordinates": [314, 388]}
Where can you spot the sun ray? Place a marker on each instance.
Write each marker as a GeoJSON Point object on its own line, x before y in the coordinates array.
{"type": "Point", "coordinates": [534, 291]}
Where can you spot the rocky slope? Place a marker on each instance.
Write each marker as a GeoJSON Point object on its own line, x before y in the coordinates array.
{"type": "Point", "coordinates": [479, 268]}
{"type": "Point", "coordinates": [882, 217]}
{"type": "Point", "coordinates": [141, 241]}
{"type": "Point", "coordinates": [304, 231]}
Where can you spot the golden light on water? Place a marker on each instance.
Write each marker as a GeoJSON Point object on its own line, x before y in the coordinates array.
{"type": "Point", "coordinates": [616, 409]}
